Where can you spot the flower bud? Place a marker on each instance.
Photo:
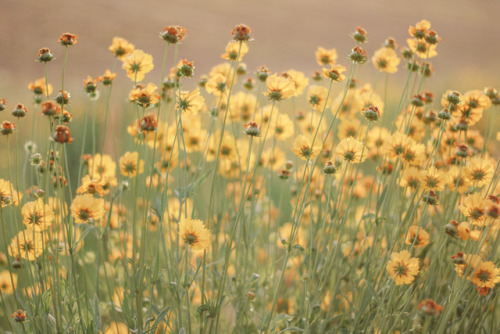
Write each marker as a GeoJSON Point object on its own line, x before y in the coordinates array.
{"type": "Point", "coordinates": [241, 33]}
{"type": "Point", "coordinates": [7, 128]}
{"type": "Point", "coordinates": [358, 55]}
{"type": "Point", "coordinates": [262, 73]}
{"type": "Point", "coordinates": [444, 115]}
{"type": "Point", "coordinates": [44, 55]}
{"type": "Point", "coordinates": [371, 113]}
{"type": "Point", "coordinates": [329, 168]}
{"type": "Point", "coordinates": [252, 129]}
{"type": "Point", "coordinates": [20, 111]}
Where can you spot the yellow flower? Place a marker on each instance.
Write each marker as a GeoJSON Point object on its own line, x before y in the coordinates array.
{"type": "Point", "coordinates": [37, 215]}
{"type": "Point", "coordinates": [421, 48]}
{"type": "Point", "coordinates": [39, 87]}
{"type": "Point", "coordinates": [102, 166]}
{"type": "Point", "coordinates": [325, 57]}
{"type": "Point", "coordinates": [232, 51]}
{"type": "Point", "coordinates": [485, 275]}
{"type": "Point", "coordinates": [316, 96]}
{"type": "Point", "coordinates": [121, 48]}
{"type": "Point", "coordinates": [194, 233]}
{"type": "Point", "coordinates": [6, 286]}
{"type": "Point", "coordinates": [137, 64]}
{"type": "Point", "coordinates": [402, 268]}
{"type": "Point", "coordinates": [279, 88]}
{"type": "Point", "coordinates": [350, 150]}
{"type": "Point", "coordinates": [335, 73]}
{"type": "Point", "coordinates": [474, 208]}
{"type": "Point", "coordinates": [87, 209]}
{"type": "Point", "coordinates": [414, 154]}
{"type": "Point", "coordinates": [8, 195]}
{"type": "Point", "coordinates": [128, 164]}
{"type": "Point", "coordinates": [411, 178]}
{"type": "Point", "coordinates": [190, 102]}
{"type": "Point", "coordinates": [91, 186]}
{"type": "Point", "coordinates": [217, 84]}
{"type": "Point", "coordinates": [27, 245]}
{"type": "Point", "coordinates": [397, 144]}
{"type": "Point", "coordinates": [299, 80]}
{"type": "Point", "coordinates": [421, 239]}
{"type": "Point", "coordinates": [457, 180]}
{"type": "Point", "coordinates": [479, 171]}
{"type": "Point", "coordinates": [420, 29]}
{"type": "Point", "coordinates": [242, 106]}
{"type": "Point", "coordinates": [144, 96]}
{"type": "Point", "coordinates": [282, 127]}
{"type": "Point", "coordinates": [116, 328]}
{"type": "Point", "coordinates": [302, 148]}
{"type": "Point", "coordinates": [433, 179]}
{"type": "Point", "coordinates": [386, 60]}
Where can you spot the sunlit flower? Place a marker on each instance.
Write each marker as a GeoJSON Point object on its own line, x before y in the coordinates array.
{"type": "Point", "coordinates": [433, 179]}
{"type": "Point", "coordinates": [8, 195]}
{"type": "Point", "coordinates": [87, 209]}
{"type": "Point", "coordinates": [107, 78]}
{"type": "Point", "coordinates": [386, 60]}
{"type": "Point", "coordinates": [485, 275]}
{"type": "Point", "coordinates": [144, 96]}
{"type": "Point", "coordinates": [279, 88]}
{"type": "Point", "coordinates": [121, 48]}
{"type": "Point", "coordinates": [335, 73]}
{"type": "Point", "coordinates": [37, 215]}
{"type": "Point", "coordinates": [194, 234]}
{"type": "Point", "coordinates": [6, 286]}
{"type": "Point", "coordinates": [479, 171]}
{"type": "Point", "coordinates": [39, 87]}
{"type": "Point", "coordinates": [402, 268]}
{"type": "Point", "coordinates": [351, 150]}
{"type": "Point", "coordinates": [190, 102]}
{"type": "Point", "coordinates": [421, 239]}
{"type": "Point", "coordinates": [302, 148]}
{"type": "Point", "coordinates": [282, 127]}
{"type": "Point", "coordinates": [102, 166]}
{"type": "Point", "coordinates": [317, 98]}
{"type": "Point", "coordinates": [299, 80]}
{"type": "Point", "coordinates": [137, 64]}
{"type": "Point", "coordinates": [474, 208]}
{"type": "Point", "coordinates": [325, 57]}
{"type": "Point", "coordinates": [27, 245]}
{"type": "Point", "coordinates": [130, 165]}
{"type": "Point", "coordinates": [91, 186]}
{"type": "Point", "coordinates": [233, 49]}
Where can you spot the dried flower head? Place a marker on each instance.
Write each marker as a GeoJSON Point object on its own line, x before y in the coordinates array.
{"type": "Point", "coordinates": [241, 33]}
{"type": "Point", "coordinates": [173, 34]}
{"type": "Point", "coordinates": [68, 39]}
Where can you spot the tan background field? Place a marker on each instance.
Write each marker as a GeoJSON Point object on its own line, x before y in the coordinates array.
{"type": "Point", "coordinates": [286, 33]}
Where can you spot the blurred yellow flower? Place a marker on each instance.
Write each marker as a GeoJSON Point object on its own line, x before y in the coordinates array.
{"type": "Point", "coordinates": [402, 268]}
{"type": "Point", "coordinates": [137, 64]}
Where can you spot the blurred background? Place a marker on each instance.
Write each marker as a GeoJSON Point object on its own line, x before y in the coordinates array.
{"type": "Point", "coordinates": [286, 34]}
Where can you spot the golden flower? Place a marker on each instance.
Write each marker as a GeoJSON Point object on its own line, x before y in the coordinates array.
{"type": "Point", "coordinates": [335, 72]}
{"type": "Point", "coordinates": [217, 84]}
{"type": "Point", "coordinates": [350, 127]}
{"type": "Point", "coordinates": [377, 137]}
{"type": "Point", "coordinates": [194, 233]}
{"type": "Point", "coordinates": [279, 88]}
{"type": "Point", "coordinates": [87, 209]}
{"type": "Point", "coordinates": [402, 268]}
{"type": "Point", "coordinates": [8, 195]}
{"type": "Point", "coordinates": [144, 96]}
{"type": "Point", "coordinates": [479, 171]}
{"type": "Point", "coordinates": [6, 286]}
{"type": "Point", "coordinates": [317, 98]}
{"type": "Point", "coordinates": [421, 238]}
{"type": "Point", "coordinates": [299, 80]}
{"type": "Point", "coordinates": [485, 275]}
{"type": "Point", "coordinates": [282, 127]}
{"type": "Point", "coordinates": [37, 215]}
{"type": "Point", "coordinates": [190, 102]}
{"type": "Point", "coordinates": [27, 245]}
{"type": "Point", "coordinates": [397, 144]}
{"type": "Point", "coordinates": [350, 150]}
{"type": "Point", "coordinates": [39, 87]}
{"type": "Point", "coordinates": [420, 29]}
{"type": "Point", "coordinates": [414, 154]}
{"type": "Point", "coordinates": [102, 166]}
{"type": "Point", "coordinates": [411, 178]}
{"type": "Point", "coordinates": [232, 50]}
{"type": "Point", "coordinates": [91, 186]}
{"type": "Point", "coordinates": [466, 263]}
{"type": "Point", "coordinates": [242, 106]}
{"type": "Point", "coordinates": [137, 64]}
{"type": "Point", "coordinates": [386, 60]}
{"type": "Point", "coordinates": [325, 57]}
{"type": "Point", "coordinates": [457, 180]}
{"type": "Point", "coordinates": [421, 48]}
{"type": "Point", "coordinates": [68, 39]}
{"type": "Point", "coordinates": [433, 179]}
{"type": "Point", "coordinates": [107, 78]}
{"type": "Point", "coordinates": [474, 208]}
{"type": "Point", "coordinates": [121, 48]}
{"type": "Point", "coordinates": [195, 140]}
{"type": "Point", "coordinates": [302, 148]}
{"type": "Point", "coordinates": [130, 164]}
{"type": "Point", "coordinates": [173, 34]}
{"type": "Point", "coordinates": [50, 108]}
